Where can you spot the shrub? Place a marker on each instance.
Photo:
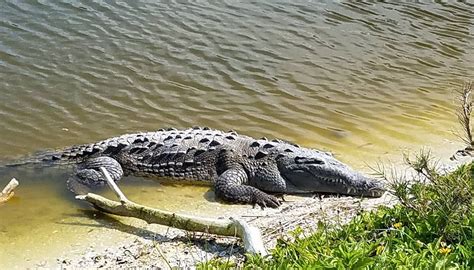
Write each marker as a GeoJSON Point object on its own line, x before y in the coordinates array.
{"type": "Point", "coordinates": [431, 228]}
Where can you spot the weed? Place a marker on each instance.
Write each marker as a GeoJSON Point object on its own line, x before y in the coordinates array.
{"type": "Point", "coordinates": [431, 228]}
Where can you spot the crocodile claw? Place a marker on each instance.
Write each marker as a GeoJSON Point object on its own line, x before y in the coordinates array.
{"type": "Point", "coordinates": [265, 200]}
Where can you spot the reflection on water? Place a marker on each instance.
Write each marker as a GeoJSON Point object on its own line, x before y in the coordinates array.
{"type": "Point", "coordinates": [359, 79]}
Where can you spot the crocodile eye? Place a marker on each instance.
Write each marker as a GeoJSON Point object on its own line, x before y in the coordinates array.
{"type": "Point", "coordinates": [305, 160]}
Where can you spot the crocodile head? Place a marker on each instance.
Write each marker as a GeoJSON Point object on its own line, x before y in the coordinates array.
{"type": "Point", "coordinates": [307, 170]}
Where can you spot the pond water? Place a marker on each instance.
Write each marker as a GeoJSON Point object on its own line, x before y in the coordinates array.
{"type": "Point", "coordinates": [365, 81]}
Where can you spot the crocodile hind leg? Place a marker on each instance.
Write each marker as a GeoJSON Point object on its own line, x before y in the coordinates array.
{"type": "Point", "coordinates": [230, 186]}
{"type": "Point", "coordinates": [88, 174]}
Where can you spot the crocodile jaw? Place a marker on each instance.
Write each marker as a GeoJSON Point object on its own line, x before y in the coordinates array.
{"type": "Point", "coordinates": [339, 181]}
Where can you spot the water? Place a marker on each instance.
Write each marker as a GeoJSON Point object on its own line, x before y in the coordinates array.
{"type": "Point", "coordinates": [364, 81]}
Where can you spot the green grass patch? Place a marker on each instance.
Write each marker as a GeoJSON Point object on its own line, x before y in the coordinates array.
{"type": "Point", "coordinates": [431, 228]}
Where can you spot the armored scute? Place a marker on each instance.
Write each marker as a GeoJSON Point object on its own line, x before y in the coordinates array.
{"type": "Point", "coordinates": [240, 168]}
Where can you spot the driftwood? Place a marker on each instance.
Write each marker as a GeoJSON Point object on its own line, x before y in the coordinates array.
{"type": "Point", "coordinates": [7, 192]}
{"type": "Point", "coordinates": [250, 235]}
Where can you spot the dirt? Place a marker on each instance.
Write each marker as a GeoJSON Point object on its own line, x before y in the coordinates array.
{"type": "Point", "coordinates": [159, 247]}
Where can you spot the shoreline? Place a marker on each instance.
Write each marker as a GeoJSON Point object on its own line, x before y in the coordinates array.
{"type": "Point", "coordinates": [185, 249]}
{"type": "Point", "coordinates": [118, 242]}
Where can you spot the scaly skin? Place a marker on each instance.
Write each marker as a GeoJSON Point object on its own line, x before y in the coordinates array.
{"type": "Point", "coordinates": [241, 169]}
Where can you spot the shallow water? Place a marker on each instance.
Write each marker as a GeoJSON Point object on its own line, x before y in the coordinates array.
{"type": "Point", "coordinates": [364, 81]}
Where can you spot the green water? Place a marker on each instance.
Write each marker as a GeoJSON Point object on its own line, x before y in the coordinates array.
{"type": "Point", "coordinates": [365, 81]}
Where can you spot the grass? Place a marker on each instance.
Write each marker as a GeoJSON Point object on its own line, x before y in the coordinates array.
{"type": "Point", "coordinates": [431, 228]}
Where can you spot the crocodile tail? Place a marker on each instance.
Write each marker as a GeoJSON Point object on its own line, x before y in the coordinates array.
{"type": "Point", "coordinates": [70, 155]}
{"type": "Point", "coordinates": [43, 158]}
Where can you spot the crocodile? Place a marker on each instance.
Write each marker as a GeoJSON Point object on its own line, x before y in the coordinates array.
{"type": "Point", "coordinates": [241, 169]}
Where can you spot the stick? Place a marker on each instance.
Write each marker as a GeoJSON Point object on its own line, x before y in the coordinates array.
{"type": "Point", "coordinates": [113, 185]}
{"type": "Point", "coordinates": [7, 193]}
{"type": "Point", "coordinates": [250, 235]}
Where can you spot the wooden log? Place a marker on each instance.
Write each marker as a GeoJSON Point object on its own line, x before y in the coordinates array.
{"type": "Point", "coordinates": [250, 235]}
{"type": "Point", "coordinates": [7, 193]}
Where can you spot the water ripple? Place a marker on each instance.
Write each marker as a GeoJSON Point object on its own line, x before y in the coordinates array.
{"type": "Point", "coordinates": [336, 76]}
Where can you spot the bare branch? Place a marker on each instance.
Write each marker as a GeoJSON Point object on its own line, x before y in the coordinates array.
{"type": "Point", "coordinates": [250, 235]}
{"type": "Point", "coordinates": [113, 186]}
{"type": "Point", "coordinates": [464, 113]}
{"type": "Point", "coordinates": [464, 117]}
{"type": "Point", "coordinates": [7, 192]}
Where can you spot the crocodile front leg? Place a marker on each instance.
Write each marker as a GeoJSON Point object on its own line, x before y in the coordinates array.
{"type": "Point", "coordinates": [88, 174]}
{"type": "Point", "coordinates": [230, 186]}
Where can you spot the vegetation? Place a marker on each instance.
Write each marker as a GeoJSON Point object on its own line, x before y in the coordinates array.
{"type": "Point", "coordinates": [432, 227]}
{"type": "Point", "coordinates": [464, 117]}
